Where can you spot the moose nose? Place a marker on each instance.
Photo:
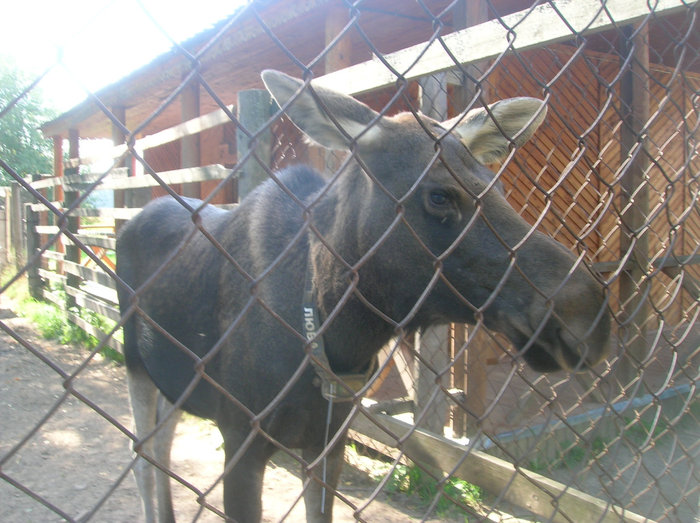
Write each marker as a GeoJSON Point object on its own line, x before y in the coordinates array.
{"type": "Point", "coordinates": [583, 334]}
{"type": "Point", "coordinates": [581, 353]}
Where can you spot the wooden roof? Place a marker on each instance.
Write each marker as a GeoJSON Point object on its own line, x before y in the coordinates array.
{"type": "Point", "coordinates": [238, 48]}
{"type": "Point", "coordinates": [235, 60]}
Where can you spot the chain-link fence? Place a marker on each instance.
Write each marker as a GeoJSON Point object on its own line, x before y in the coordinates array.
{"type": "Point", "coordinates": [502, 343]}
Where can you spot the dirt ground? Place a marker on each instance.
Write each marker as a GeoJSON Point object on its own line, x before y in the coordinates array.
{"type": "Point", "coordinates": [76, 460]}
{"type": "Point", "coordinates": [58, 448]}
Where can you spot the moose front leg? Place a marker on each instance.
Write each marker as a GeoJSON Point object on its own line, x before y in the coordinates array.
{"type": "Point", "coordinates": [319, 508]}
{"type": "Point", "coordinates": [243, 483]}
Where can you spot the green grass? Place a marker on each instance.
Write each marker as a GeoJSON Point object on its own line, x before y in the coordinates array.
{"type": "Point", "coordinates": [52, 323]}
{"type": "Point", "coordinates": [412, 480]}
{"type": "Point", "coordinates": [571, 455]}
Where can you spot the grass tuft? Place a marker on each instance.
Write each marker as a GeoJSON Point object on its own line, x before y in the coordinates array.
{"type": "Point", "coordinates": [413, 480]}
{"type": "Point", "coordinates": [53, 323]}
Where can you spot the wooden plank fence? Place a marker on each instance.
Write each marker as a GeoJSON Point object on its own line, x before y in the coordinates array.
{"type": "Point", "coordinates": [96, 288]}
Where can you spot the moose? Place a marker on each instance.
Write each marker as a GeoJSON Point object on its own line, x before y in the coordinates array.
{"type": "Point", "coordinates": [412, 230]}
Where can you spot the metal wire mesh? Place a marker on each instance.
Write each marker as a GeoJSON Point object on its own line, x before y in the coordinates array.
{"type": "Point", "coordinates": [611, 175]}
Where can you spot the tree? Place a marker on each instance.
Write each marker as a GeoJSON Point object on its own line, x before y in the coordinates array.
{"type": "Point", "coordinates": [22, 145]}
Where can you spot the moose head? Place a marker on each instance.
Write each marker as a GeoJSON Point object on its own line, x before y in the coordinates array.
{"type": "Point", "coordinates": [434, 238]}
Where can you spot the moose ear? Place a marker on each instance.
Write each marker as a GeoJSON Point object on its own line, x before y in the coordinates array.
{"type": "Point", "coordinates": [312, 118]}
{"type": "Point", "coordinates": [517, 118]}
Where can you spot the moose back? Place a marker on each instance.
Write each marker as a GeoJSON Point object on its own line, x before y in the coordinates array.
{"type": "Point", "coordinates": [413, 231]}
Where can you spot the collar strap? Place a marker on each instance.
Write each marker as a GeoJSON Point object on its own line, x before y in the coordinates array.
{"type": "Point", "coordinates": [334, 387]}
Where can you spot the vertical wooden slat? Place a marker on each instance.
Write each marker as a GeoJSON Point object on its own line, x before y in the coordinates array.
{"type": "Point", "coordinates": [337, 57]}
{"type": "Point", "coordinates": [635, 204]}
{"type": "Point", "coordinates": [190, 152]}
{"type": "Point", "coordinates": [72, 251]}
{"type": "Point", "coordinates": [433, 345]}
{"type": "Point", "coordinates": [466, 14]}
{"type": "Point", "coordinates": [33, 243]}
{"type": "Point", "coordinates": [473, 381]}
{"type": "Point", "coordinates": [432, 404]}
{"type": "Point", "coordinates": [255, 107]}
{"type": "Point", "coordinates": [58, 193]}
{"type": "Point", "coordinates": [118, 138]}
{"type": "Point", "coordinates": [459, 377]}
{"type": "Point", "coordinates": [16, 234]}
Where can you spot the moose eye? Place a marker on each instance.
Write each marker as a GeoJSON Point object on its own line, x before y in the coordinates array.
{"type": "Point", "coordinates": [439, 197]}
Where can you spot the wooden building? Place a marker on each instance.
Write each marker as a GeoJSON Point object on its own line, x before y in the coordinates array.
{"type": "Point", "coordinates": [571, 179]}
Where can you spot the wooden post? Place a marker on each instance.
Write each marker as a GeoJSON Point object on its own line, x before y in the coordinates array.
{"type": "Point", "coordinates": [58, 194]}
{"type": "Point", "coordinates": [190, 152]}
{"type": "Point", "coordinates": [433, 94]}
{"type": "Point", "coordinates": [72, 250]}
{"type": "Point", "coordinates": [118, 138]}
{"type": "Point", "coordinates": [338, 57]}
{"type": "Point", "coordinates": [473, 382]}
{"type": "Point", "coordinates": [433, 345]}
{"type": "Point", "coordinates": [634, 93]}
{"type": "Point", "coordinates": [58, 165]}
{"type": "Point", "coordinates": [7, 225]}
{"type": "Point", "coordinates": [16, 238]}
{"type": "Point", "coordinates": [459, 377]}
{"type": "Point", "coordinates": [467, 14]}
{"type": "Point", "coordinates": [33, 244]}
{"type": "Point", "coordinates": [255, 107]}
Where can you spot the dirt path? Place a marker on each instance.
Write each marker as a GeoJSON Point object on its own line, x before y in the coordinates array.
{"type": "Point", "coordinates": [79, 461]}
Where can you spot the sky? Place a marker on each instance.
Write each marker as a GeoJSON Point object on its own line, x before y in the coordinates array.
{"type": "Point", "coordinates": [93, 43]}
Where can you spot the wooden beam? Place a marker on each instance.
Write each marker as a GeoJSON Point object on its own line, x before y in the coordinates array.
{"type": "Point", "coordinates": [16, 239]}
{"type": "Point", "coordinates": [58, 192]}
{"type": "Point", "coordinates": [538, 494]}
{"type": "Point", "coordinates": [57, 165]}
{"type": "Point", "coordinates": [518, 31]}
{"type": "Point", "coordinates": [97, 241]}
{"type": "Point", "coordinates": [468, 13]}
{"type": "Point", "coordinates": [189, 175]}
{"type": "Point", "coordinates": [97, 333]}
{"type": "Point", "coordinates": [255, 107]}
{"type": "Point", "coordinates": [186, 128]}
{"type": "Point", "coordinates": [87, 274]}
{"type": "Point", "coordinates": [171, 134]}
{"type": "Point", "coordinates": [47, 182]}
{"type": "Point", "coordinates": [431, 403]}
{"type": "Point", "coordinates": [432, 344]}
{"type": "Point", "coordinates": [53, 276]}
{"type": "Point", "coordinates": [634, 196]}
{"type": "Point", "coordinates": [118, 138]}
{"type": "Point", "coordinates": [70, 196]}
{"type": "Point", "coordinates": [118, 213]}
{"type": "Point", "coordinates": [671, 261]}
{"type": "Point", "coordinates": [86, 301]}
{"type": "Point", "coordinates": [47, 229]}
{"type": "Point", "coordinates": [338, 56]}
{"type": "Point", "coordinates": [190, 146]}
{"type": "Point", "coordinates": [433, 96]}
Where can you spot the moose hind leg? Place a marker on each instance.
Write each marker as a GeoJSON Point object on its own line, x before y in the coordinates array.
{"type": "Point", "coordinates": [167, 418]}
{"type": "Point", "coordinates": [144, 405]}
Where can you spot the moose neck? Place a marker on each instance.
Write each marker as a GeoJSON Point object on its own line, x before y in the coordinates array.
{"type": "Point", "coordinates": [356, 332]}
